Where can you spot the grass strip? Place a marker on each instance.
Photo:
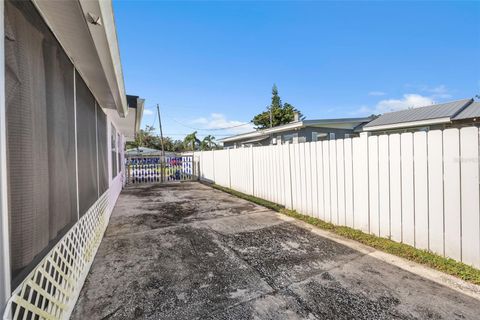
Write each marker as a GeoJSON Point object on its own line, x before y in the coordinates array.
{"type": "Point", "coordinates": [432, 260]}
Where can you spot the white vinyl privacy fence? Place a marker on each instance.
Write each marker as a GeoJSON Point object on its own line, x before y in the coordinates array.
{"type": "Point", "coordinates": [418, 188]}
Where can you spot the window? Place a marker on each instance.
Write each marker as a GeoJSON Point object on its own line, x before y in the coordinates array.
{"type": "Point", "coordinates": [291, 138]}
{"type": "Point", "coordinates": [319, 136]}
{"type": "Point", "coordinates": [114, 152]}
{"type": "Point", "coordinates": [119, 154]}
{"type": "Point", "coordinates": [331, 136]}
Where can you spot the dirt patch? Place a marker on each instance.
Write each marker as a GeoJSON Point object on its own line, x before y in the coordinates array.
{"type": "Point", "coordinates": [329, 300]}
{"type": "Point", "coordinates": [156, 189]}
{"type": "Point", "coordinates": [286, 253]}
{"type": "Point", "coordinates": [151, 216]}
{"type": "Point", "coordinates": [174, 273]}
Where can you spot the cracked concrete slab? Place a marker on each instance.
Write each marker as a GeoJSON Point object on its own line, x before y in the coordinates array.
{"type": "Point", "coordinates": [187, 251]}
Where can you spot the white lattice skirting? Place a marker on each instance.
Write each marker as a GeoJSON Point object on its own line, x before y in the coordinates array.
{"type": "Point", "coordinates": [51, 290]}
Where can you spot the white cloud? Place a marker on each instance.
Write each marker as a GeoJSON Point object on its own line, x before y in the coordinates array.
{"type": "Point", "coordinates": [147, 112]}
{"type": "Point", "coordinates": [436, 92]}
{"type": "Point", "coordinates": [389, 105]}
{"type": "Point", "coordinates": [439, 92]}
{"type": "Point", "coordinates": [376, 93]}
{"type": "Point", "coordinates": [408, 101]}
{"type": "Point", "coordinates": [219, 121]}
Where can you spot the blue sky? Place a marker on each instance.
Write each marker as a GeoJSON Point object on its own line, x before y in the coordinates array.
{"type": "Point", "coordinates": [212, 64]}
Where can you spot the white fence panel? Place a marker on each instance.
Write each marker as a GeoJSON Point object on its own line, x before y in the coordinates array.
{"type": "Point", "coordinates": [341, 182]}
{"type": "Point", "coordinates": [221, 170]}
{"type": "Point", "coordinates": [360, 183]}
{"type": "Point", "coordinates": [451, 170]}
{"type": "Point", "coordinates": [256, 171]}
{"type": "Point", "coordinates": [265, 178]}
{"type": "Point", "coordinates": [420, 164]}
{"type": "Point", "coordinates": [326, 181]}
{"type": "Point", "coordinates": [373, 185]}
{"type": "Point", "coordinates": [240, 174]}
{"type": "Point", "coordinates": [308, 176]}
{"type": "Point", "coordinates": [207, 166]}
{"type": "Point", "coordinates": [408, 205]}
{"type": "Point", "coordinates": [349, 212]}
{"type": "Point", "coordinates": [303, 178]}
{"type": "Point", "coordinates": [321, 185]}
{"type": "Point", "coordinates": [287, 173]}
{"type": "Point", "coordinates": [333, 181]}
{"type": "Point", "coordinates": [384, 185]}
{"type": "Point", "coordinates": [293, 174]}
{"type": "Point", "coordinates": [314, 191]}
{"type": "Point", "coordinates": [435, 191]}
{"type": "Point", "coordinates": [395, 188]}
{"type": "Point", "coordinates": [470, 196]}
{"type": "Point", "coordinates": [269, 179]}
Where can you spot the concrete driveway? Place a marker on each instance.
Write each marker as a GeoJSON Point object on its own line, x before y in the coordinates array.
{"type": "Point", "coordinates": [187, 251]}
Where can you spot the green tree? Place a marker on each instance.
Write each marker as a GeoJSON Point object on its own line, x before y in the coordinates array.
{"type": "Point", "coordinates": [208, 143]}
{"type": "Point", "coordinates": [147, 138]}
{"type": "Point", "coordinates": [191, 141]}
{"type": "Point", "coordinates": [144, 138]}
{"type": "Point", "coordinates": [279, 113]}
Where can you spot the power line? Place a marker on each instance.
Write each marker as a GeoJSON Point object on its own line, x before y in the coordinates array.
{"type": "Point", "coordinates": [184, 134]}
{"type": "Point", "coordinates": [198, 129]}
{"type": "Point", "coordinates": [212, 129]}
{"type": "Point", "coordinates": [155, 119]}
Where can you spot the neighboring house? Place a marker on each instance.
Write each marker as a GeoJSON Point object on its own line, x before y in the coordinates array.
{"type": "Point", "coordinates": [144, 151]}
{"type": "Point", "coordinates": [299, 131]}
{"type": "Point", "coordinates": [64, 120]}
{"type": "Point", "coordinates": [438, 116]}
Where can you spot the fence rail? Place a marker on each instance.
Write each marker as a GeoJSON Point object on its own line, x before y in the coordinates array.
{"type": "Point", "coordinates": [418, 188]}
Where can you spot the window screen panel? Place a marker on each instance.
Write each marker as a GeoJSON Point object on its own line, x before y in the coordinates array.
{"type": "Point", "coordinates": [86, 146]}
{"type": "Point", "coordinates": [114, 151]}
{"type": "Point", "coordinates": [102, 150]}
{"type": "Point", "coordinates": [40, 137]}
{"type": "Point", "coordinates": [119, 153]}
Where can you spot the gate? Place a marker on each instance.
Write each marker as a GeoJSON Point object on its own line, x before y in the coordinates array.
{"type": "Point", "coordinates": [157, 169]}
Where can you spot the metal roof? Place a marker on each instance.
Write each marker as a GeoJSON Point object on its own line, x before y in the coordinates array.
{"type": "Point", "coordinates": [472, 111]}
{"type": "Point", "coordinates": [436, 111]}
{"type": "Point", "coordinates": [298, 124]}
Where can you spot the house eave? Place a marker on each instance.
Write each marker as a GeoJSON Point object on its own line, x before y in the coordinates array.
{"type": "Point", "coordinates": [93, 48]}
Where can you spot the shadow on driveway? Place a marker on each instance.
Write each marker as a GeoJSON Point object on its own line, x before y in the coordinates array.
{"type": "Point", "coordinates": [187, 251]}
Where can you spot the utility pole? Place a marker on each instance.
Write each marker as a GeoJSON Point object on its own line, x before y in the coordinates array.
{"type": "Point", "coordinates": [271, 124]}
{"type": "Point", "coordinates": [271, 117]}
{"type": "Point", "coordinates": [162, 159]}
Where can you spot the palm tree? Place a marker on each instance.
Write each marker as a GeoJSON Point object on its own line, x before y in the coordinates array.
{"type": "Point", "coordinates": [191, 139]}
{"type": "Point", "coordinates": [208, 143]}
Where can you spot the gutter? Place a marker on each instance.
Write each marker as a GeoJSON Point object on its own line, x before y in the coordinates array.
{"type": "Point", "coordinates": [408, 124]}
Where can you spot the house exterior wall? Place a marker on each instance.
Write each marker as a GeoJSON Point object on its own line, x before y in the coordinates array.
{"type": "Point", "coordinates": [304, 135]}
{"type": "Point", "coordinates": [43, 142]}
